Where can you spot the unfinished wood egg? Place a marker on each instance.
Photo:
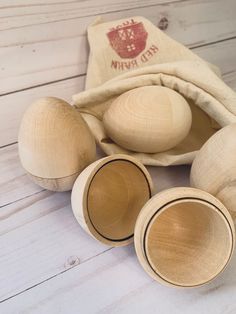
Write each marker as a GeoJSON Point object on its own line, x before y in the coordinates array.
{"type": "Point", "coordinates": [184, 237]}
{"type": "Point", "coordinates": [214, 168]}
{"type": "Point", "coordinates": [108, 196]}
{"type": "Point", "coordinates": [55, 144]}
{"type": "Point", "coordinates": [148, 119]}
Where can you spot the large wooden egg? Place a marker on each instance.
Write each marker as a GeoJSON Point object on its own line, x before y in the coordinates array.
{"type": "Point", "coordinates": [148, 119]}
{"type": "Point", "coordinates": [214, 168]}
{"type": "Point", "coordinates": [55, 144]}
{"type": "Point", "coordinates": [184, 237]}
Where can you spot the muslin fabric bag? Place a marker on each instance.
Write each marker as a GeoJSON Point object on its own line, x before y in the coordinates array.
{"type": "Point", "coordinates": [131, 53]}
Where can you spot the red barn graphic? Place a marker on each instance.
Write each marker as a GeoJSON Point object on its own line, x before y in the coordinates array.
{"type": "Point", "coordinates": [129, 39]}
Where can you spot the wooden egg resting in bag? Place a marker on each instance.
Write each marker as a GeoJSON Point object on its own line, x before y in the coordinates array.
{"type": "Point", "coordinates": [148, 119]}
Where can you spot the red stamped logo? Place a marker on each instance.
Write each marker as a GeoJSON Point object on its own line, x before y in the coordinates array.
{"type": "Point", "coordinates": [128, 39]}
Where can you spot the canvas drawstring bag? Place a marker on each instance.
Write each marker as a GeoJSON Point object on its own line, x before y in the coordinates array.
{"type": "Point", "coordinates": [131, 53]}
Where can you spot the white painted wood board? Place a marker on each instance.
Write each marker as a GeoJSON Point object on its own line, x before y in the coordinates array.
{"type": "Point", "coordinates": [48, 42]}
{"type": "Point", "coordinates": [14, 183]}
{"type": "Point", "coordinates": [114, 282]}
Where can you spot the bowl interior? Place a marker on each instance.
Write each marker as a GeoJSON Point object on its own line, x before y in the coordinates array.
{"type": "Point", "coordinates": [116, 194]}
{"type": "Point", "coordinates": [188, 243]}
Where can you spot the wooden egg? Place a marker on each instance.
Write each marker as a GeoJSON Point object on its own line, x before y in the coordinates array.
{"type": "Point", "coordinates": [55, 144]}
{"type": "Point", "coordinates": [148, 119]}
{"type": "Point", "coordinates": [214, 168]}
{"type": "Point", "coordinates": [184, 237]}
{"type": "Point", "coordinates": [108, 196]}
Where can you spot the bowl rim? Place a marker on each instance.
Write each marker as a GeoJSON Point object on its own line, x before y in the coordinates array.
{"type": "Point", "coordinates": [164, 200]}
{"type": "Point", "coordinates": [94, 169]}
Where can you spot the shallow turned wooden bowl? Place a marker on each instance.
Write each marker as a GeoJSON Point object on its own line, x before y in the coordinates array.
{"type": "Point", "coordinates": [108, 196]}
{"type": "Point", "coordinates": [184, 237]}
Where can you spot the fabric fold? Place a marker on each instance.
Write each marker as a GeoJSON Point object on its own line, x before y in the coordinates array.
{"type": "Point", "coordinates": [170, 64]}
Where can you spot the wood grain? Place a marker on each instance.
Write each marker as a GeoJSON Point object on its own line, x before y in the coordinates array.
{"type": "Point", "coordinates": [117, 293]}
{"type": "Point", "coordinates": [44, 42]}
{"type": "Point", "coordinates": [48, 42]}
{"type": "Point", "coordinates": [42, 230]}
{"type": "Point", "coordinates": [148, 119]}
{"type": "Point", "coordinates": [38, 238]}
{"type": "Point", "coordinates": [13, 106]}
{"type": "Point", "coordinates": [108, 196]}
{"type": "Point", "coordinates": [221, 54]}
{"type": "Point", "coordinates": [213, 169]}
{"type": "Point", "coordinates": [14, 183]}
{"type": "Point", "coordinates": [55, 143]}
{"type": "Point", "coordinates": [184, 237]}
{"type": "Point", "coordinates": [89, 7]}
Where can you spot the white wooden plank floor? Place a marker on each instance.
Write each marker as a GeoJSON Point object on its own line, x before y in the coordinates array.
{"type": "Point", "coordinates": [48, 264]}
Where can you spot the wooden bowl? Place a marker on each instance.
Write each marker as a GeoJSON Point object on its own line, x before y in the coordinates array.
{"type": "Point", "coordinates": [108, 196]}
{"type": "Point", "coordinates": [55, 144]}
{"type": "Point", "coordinates": [184, 237]}
{"type": "Point", "coordinates": [148, 119]}
{"type": "Point", "coordinates": [214, 168]}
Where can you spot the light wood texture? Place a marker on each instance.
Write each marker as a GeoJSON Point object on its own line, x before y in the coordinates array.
{"type": "Point", "coordinates": [47, 259]}
{"type": "Point", "coordinates": [48, 264]}
{"type": "Point", "coordinates": [55, 184]}
{"type": "Point", "coordinates": [114, 267]}
{"type": "Point", "coordinates": [55, 144]}
{"type": "Point", "coordinates": [184, 237]}
{"type": "Point", "coordinates": [108, 196]}
{"type": "Point", "coordinates": [116, 194]}
{"type": "Point", "coordinates": [148, 119]}
{"type": "Point", "coordinates": [14, 105]}
{"type": "Point", "coordinates": [213, 169]}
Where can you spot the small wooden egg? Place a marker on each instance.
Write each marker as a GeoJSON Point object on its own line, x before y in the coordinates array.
{"type": "Point", "coordinates": [148, 119]}
{"type": "Point", "coordinates": [184, 237]}
{"type": "Point", "coordinates": [108, 196]}
{"type": "Point", "coordinates": [214, 168]}
{"type": "Point", "coordinates": [55, 144]}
